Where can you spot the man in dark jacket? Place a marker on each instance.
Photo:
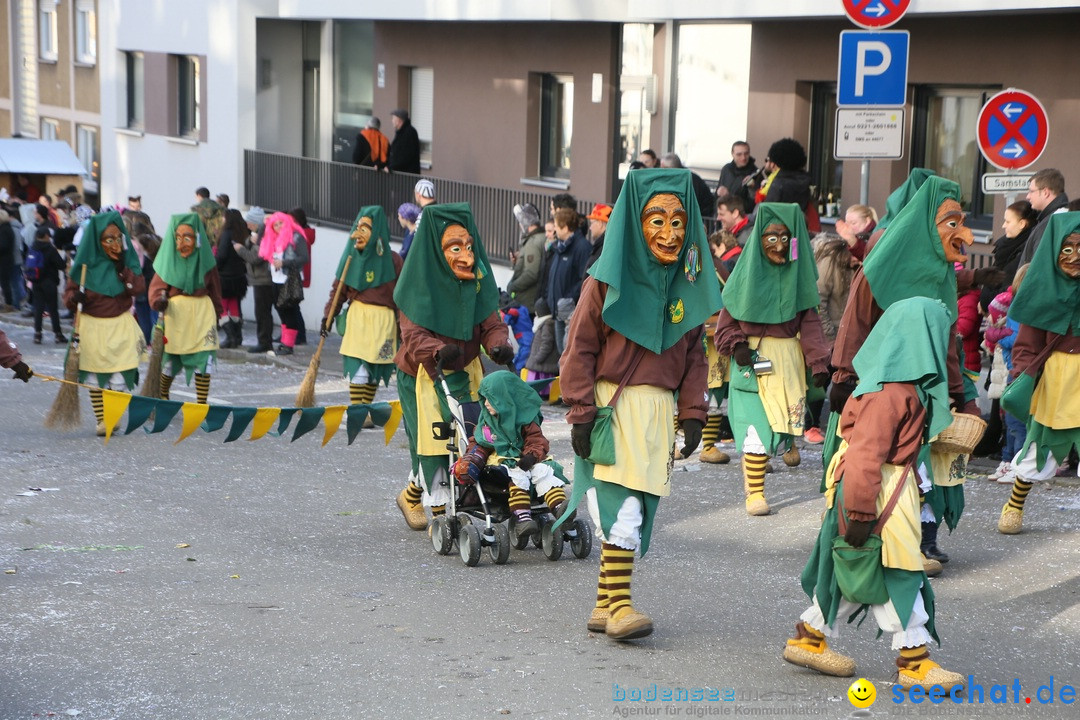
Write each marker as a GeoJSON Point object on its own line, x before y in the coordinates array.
{"type": "Point", "coordinates": [405, 148]}
{"type": "Point", "coordinates": [371, 146]}
{"type": "Point", "coordinates": [734, 175]}
{"type": "Point", "coordinates": [570, 254]}
{"type": "Point", "coordinates": [1046, 193]}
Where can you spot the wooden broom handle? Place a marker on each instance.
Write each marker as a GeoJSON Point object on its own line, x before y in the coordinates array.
{"type": "Point", "coordinates": [82, 289]}
{"type": "Point", "coordinates": [337, 291]}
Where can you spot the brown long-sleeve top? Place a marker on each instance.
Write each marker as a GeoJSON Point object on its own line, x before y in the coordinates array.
{"type": "Point", "coordinates": [1030, 341]}
{"type": "Point", "coordinates": [806, 325]}
{"type": "Point", "coordinates": [535, 443]}
{"type": "Point", "coordinates": [419, 345]}
{"type": "Point", "coordinates": [880, 427]}
{"type": "Point", "coordinates": [9, 352]}
{"type": "Point", "coordinates": [107, 306]}
{"type": "Point", "coordinates": [860, 316]}
{"type": "Point", "coordinates": [211, 287]}
{"type": "Point", "coordinates": [596, 352]}
{"type": "Point", "coordinates": [382, 295]}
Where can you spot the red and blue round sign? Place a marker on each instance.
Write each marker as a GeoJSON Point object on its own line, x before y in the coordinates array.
{"type": "Point", "coordinates": [875, 14]}
{"type": "Point", "coordinates": [1013, 129]}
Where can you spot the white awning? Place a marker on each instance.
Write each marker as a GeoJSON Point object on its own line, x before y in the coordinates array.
{"type": "Point", "coordinates": [38, 157]}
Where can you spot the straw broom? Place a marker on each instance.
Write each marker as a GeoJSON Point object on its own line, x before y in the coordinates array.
{"type": "Point", "coordinates": [151, 386]}
{"type": "Point", "coordinates": [305, 397]}
{"type": "Point", "coordinates": [64, 413]}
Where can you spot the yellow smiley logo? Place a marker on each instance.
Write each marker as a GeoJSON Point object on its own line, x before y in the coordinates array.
{"type": "Point", "coordinates": [862, 693]}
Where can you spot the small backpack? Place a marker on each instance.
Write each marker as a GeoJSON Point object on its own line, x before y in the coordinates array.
{"type": "Point", "coordinates": [34, 265]}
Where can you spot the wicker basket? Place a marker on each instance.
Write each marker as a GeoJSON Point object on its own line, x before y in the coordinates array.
{"type": "Point", "coordinates": [961, 436]}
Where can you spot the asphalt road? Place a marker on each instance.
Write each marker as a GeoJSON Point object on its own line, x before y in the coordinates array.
{"type": "Point", "coordinates": [273, 580]}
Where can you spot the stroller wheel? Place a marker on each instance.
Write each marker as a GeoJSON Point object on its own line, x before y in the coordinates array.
{"type": "Point", "coordinates": [441, 539]}
{"type": "Point", "coordinates": [551, 542]}
{"type": "Point", "coordinates": [500, 549]}
{"type": "Point", "coordinates": [463, 519]}
{"type": "Point", "coordinates": [581, 543]}
{"type": "Point", "coordinates": [519, 542]}
{"type": "Point", "coordinates": [541, 522]}
{"type": "Point", "coordinates": [469, 545]}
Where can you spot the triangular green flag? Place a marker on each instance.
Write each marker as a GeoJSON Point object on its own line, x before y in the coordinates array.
{"type": "Point", "coordinates": [309, 420]}
{"type": "Point", "coordinates": [354, 420]}
{"type": "Point", "coordinates": [164, 413]}
{"type": "Point", "coordinates": [284, 419]}
{"type": "Point", "coordinates": [242, 417]}
{"type": "Point", "coordinates": [216, 417]}
{"type": "Point", "coordinates": [139, 411]}
{"type": "Point", "coordinates": [380, 413]}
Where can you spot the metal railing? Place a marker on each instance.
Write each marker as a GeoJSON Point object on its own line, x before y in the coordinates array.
{"type": "Point", "coordinates": [332, 193]}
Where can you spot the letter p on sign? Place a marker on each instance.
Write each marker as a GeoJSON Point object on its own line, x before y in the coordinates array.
{"type": "Point", "coordinates": [865, 50]}
{"type": "Point", "coordinates": [872, 71]}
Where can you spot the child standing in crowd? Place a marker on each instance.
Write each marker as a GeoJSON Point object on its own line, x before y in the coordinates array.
{"type": "Point", "coordinates": [1000, 336]}
{"type": "Point", "coordinates": [543, 359]}
{"type": "Point", "coordinates": [43, 266]}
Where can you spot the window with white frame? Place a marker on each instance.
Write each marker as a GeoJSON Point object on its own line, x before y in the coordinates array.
{"type": "Point", "coordinates": [422, 107]}
{"type": "Point", "coordinates": [188, 96]}
{"type": "Point", "coordinates": [86, 146]}
{"type": "Point", "coordinates": [50, 129]}
{"type": "Point", "coordinates": [556, 124]}
{"type": "Point", "coordinates": [47, 41]}
{"type": "Point", "coordinates": [85, 32]}
{"type": "Point", "coordinates": [136, 102]}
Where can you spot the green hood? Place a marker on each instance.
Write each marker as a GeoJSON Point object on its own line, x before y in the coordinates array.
{"type": "Point", "coordinates": [651, 304]}
{"type": "Point", "coordinates": [1049, 299]}
{"type": "Point", "coordinates": [518, 405]}
{"type": "Point", "coordinates": [185, 274]}
{"type": "Point", "coordinates": [902, 195]}
{"type": "Point", "coordinates": [374, 266]}
{"type": "Point", "coordinates": [759, 291]}
{"type": "Point", "coordinates": [101, 274]}
{"type": "Point", "coordinates": [909, 260]}
{"type": "Point", "coordinates": [429, 293]}
{"type": "Point", "coordinates": [910, 344]}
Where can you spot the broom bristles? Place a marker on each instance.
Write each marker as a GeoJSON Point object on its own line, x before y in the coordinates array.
{"type": "Point", "coordinates": [305, 397]}
{"type": "Point", "coordinates": [151, 386]}
{"type": "Point", "coordinates": [64, 413]}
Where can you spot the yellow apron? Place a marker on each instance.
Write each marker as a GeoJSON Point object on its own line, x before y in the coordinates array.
{"type": "Point", "coordinates": [109, 345]}
{"type": "Point", "coordinates": [902, 532]}
{"type": "Point", "coordinates": [783, 392]}
{"type": "Point", "coordinates": [370, 333]}
{"type": "Point", "coordinates": [644, 437]}
{"type": "Point", "coordinates": [946, 471]}
{"type": "Point", "coordinates": [719, 365]}
{"type": "Point", "coordinates": [428, 410]}
{"type": "Point", "coordinates": [1055, 403]}
{"type": "Point", "coordinates": [190, 325]}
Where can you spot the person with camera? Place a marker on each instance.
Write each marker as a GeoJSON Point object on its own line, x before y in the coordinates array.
{"type": "Point", "coordinates": [770, 328]}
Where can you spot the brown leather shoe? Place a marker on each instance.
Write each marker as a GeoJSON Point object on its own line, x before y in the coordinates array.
{"type": "Point", "coordinates": [598, 619]}
{"type": "Point", "coordinates": [628, 624]}
{"type": "Point", "coordinates": [415, 517]}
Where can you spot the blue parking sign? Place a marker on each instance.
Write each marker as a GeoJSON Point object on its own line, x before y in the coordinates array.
{"type": "Point", "coordinates": [873, 68]}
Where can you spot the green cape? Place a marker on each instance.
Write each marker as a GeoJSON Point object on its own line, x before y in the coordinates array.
{"type": "Point", "coordinates": [518, 405]}
{"type": "Point", "coordinates": [429, 293]}
{"type": "Point", "coordinates": [909, 260]}
{"type": "Point", "coordinates": [910, 344]}
{"type": "Point", "coordinates": [759, 291]}
{"type": "Point", "coordinates": [186, 274]}
{"type": "Point", "coordinates": [651, 304]}
{"type": "Point", "coordinates": [1049, 299]}
{"type": "Point", "coordinates": [902, 195]}
{"type": "Point", "coordinates": [101, 274]}
{"type": "Point", "coordinates": [374, 266]}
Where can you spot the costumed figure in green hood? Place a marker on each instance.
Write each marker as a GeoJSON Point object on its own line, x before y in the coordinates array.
{"type": "Point", "coordinates": [872, 495]}
{"type": "Point", "coordinates": [914, 258]}
{"type": "Point", "coordinates": [187, 292]}
{"type": "Point", "coordinates": [110, 341]}
{"type": "Point", "coordinates": [369, 341]}
{"type": "Point", "coordinates": [638, 325]}
{"type": "Point", "coordinates": [771, 330]}
{"type": "Point", "coordinates": [508, 434]}
{"type": "Point", "coordinates": [1046, 362]}
{"type": "Point", "coordinates": [447, 308]}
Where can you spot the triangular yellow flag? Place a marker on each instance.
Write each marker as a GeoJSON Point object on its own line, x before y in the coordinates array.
{"type": "Point", "coordinates": [332, 420]}
{"type": "Point", "coordinates": [555, 392]}
{"type": "Point", "coordinates": [194, 414]}
{"type": "Point", "coordinates": [264, 420]}
{"type": "Point", "coordinates": [394, 420]}
{"type": "Point", "coordinates": [115, 404]}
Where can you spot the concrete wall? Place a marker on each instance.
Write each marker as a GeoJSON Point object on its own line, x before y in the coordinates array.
{"type": "Point", "coordinates": [280, 121]}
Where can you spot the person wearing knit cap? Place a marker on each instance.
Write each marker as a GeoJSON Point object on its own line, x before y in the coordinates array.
{"type": "Point", "coordinates": [524, 285]}
{"type": "Point", "coordinates": [258, 278]}
{"type": "Point", "coordinates": [110, 340]}
{"type": "Point", "coordinates": [187, 290]}
{"type": "Point", "coordinates": [408, 215]}
{"type": "Point", "coordinates": [598, 221]}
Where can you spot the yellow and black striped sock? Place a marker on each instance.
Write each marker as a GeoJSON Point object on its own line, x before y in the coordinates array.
{"type": "Point", "coordinates": [166, 383]}
{"type": "Point", "coordinates": [618, 565]}
{"type": "Point", "coordinates": [912, 657]}
{"type": "Point", "coordinates": [711, 433]}
{"type": "Point", "coordinates": [1019, 494]}
{"type": "Point", "coordinates": [519, 499]}
{"type": "Point", "coordinates": [554, 496]}
{"type": "Point", "coordinates": [601, 586]}
{"type": "Point", "coordinates": [413, 494]}
{"type": "Point", "coordinates": [438, 510]}
{"type": "Point", "coordinates": [753, 467]}
{"type": "Point", "coordinates": [356, 394]}
{"type": "Point", "coordinates": [368, 393]}
{"type": "Point", "coordinates": [97, 400]}
{"type": "Point", "coordinates": [202, 388]}
{"type": "Point", "coordinates": [676, 422]}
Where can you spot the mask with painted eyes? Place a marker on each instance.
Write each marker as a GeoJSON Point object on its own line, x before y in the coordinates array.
{"type": "Point", "coordinates": [1069, 256]}
{"type": "Point", "coordinates": [185, 240]}
{"type": "Point", "coordinates": [954, 234]}
{"type": "Point", "coordinates": [458, 251]}
{"type": "Point", "coordinates": [362, 234]}
{"type": "Point", "coordinates": [112, 242]}
{"type": "Point", "coordinates": [776, 243]}
{"type": "Point", "coordinates": [663, 222]}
